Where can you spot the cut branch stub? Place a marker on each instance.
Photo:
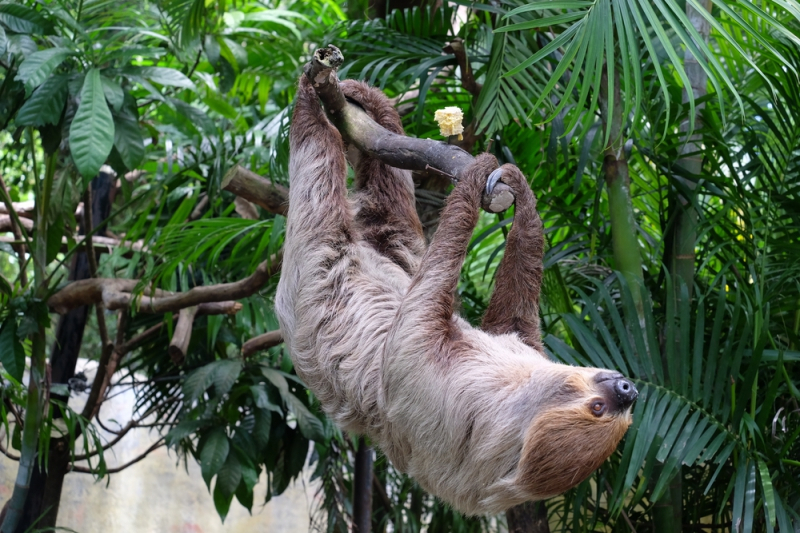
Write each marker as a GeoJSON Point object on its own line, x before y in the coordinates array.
{"type": "Point", "coordinates": [396, 150]}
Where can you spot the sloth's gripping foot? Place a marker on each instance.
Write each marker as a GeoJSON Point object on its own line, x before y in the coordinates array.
{"type": "Point", "coordinates": [514, 306]}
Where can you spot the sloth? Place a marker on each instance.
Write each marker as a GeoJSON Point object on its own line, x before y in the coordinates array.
{"type": "Point", "coordinates": [480, 417]}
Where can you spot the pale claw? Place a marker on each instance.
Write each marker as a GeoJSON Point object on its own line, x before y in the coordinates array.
{"type": "Point", "coordinates": [492, 180]}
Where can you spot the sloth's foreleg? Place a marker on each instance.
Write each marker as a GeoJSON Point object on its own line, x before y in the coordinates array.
{"type": "Point", "coordinates": [514, 306]}
{"type": "Point", "coordinates": [428, 305]}
{"type": "Point", "coordinates": [319, 212]}
{"type": "Point", "coordinates": [385, 198]}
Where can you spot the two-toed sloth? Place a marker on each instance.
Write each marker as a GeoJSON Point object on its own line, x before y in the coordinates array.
{"type": "Point", "coordinates": [479, 417]}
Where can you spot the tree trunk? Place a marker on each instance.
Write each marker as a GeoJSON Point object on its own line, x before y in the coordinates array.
{"type": "Point", "coordinates": [529, 517]}
{"type": "Point", "coordinates": [362, 488]}
{"type": "Point", "coordinates": [668, 512]}
{"type": "Point", "coordinates": [46, 484]}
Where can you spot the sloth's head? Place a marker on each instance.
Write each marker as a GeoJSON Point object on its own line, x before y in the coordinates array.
{"type": "Point", "coordinates": [578, 429]}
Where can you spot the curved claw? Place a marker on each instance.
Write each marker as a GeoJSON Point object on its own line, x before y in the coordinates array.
{"type": "Point", "coordinates": [492, 180]}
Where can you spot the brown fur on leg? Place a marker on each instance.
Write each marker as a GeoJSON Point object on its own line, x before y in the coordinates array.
{"type": "Point", "coordinates": [514, 306]}
{"type": "Point", "coordinates": [385, 195]}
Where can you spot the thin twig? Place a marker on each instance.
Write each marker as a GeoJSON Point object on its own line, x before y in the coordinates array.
{"type": "Point", "coordinates": [7, 453]}
{"type": "Point", "coordinates": [133, 423]}
{"type": "Point", "coordinates": [84, 470]}
{"type": "Point", "coordinates": [16, 226]}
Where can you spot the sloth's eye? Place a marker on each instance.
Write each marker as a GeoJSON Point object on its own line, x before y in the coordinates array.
{"type": "Point", "coordinates": [598, 408]}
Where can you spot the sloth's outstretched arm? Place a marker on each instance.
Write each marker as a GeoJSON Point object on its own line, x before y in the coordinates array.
{"type": "Point", "coordinates": [514, 306]}
{"type": "Point", "coordinates": [430, 298]}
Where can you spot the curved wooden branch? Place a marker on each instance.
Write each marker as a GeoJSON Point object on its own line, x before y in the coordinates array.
{"type": "Point", "coordinates": [262, 342]}
{"type": "Point", "coordinates": [118, 293]}
{"type": "Point", "coordinates": [248, 185]}
{"type": "Point", "coordinates": [368, 136]}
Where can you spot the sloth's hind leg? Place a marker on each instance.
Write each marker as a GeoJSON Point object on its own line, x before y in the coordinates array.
{"type": "Point", "coordinates": [385, 195]}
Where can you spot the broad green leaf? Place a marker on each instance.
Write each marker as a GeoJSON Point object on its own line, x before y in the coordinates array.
{"type": "Point", "coordinates": [222, 502]}
{"type": "Point", "coordinates": [214, 453]}
{"type": "Point", "coordinates": [261, 399]}
{"type": "Point", "coordinates": [183, 430]}
{"type": "Point", "coordinates": [197, 382]}
{"type": "Point", "coordinates": [22, 19]}
{"type": "Point", "coordinates": [310, 426]}
{"type": "Point", "coordinates": [4, 43]}
{"type": "Point", "coordinates": [114, 93]}
{"type": "Point", "coordinates": [262, 427]}
{"type": "Point", "coordinates": [166, 76]}
{"type": "Point", "coordinates": [128, 136]}
{"type": "Point", "coordinates": [194, 115]}
{"type": "Point", "coordinates": [276, 378]}
{"type": "Point", "coordinates": [226, 372]}
{"type": "Point", "coordinates": [12, 354]}
{"type": "Point", "coordinates": [39, 65]}
{"type": "Point", "coordinates": [91, 134]}
{"type": "Point", "coordinates": [45, 104]}
{"type": "Point", "coordinates": [229, 475]}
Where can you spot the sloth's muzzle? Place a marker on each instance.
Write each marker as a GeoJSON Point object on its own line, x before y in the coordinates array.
{"type": "Point", "coordinates": [620, 390]}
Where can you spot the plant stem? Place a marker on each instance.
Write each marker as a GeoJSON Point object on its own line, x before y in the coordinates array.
{"type": "Point", "coordinates": [36, 383]}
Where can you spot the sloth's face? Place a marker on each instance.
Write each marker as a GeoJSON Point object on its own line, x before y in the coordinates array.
{"type": "Point", "coordinates": [576, 431]}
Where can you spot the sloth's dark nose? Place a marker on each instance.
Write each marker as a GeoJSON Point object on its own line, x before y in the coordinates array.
{"type": "Point", "coordinates": [625, 391]}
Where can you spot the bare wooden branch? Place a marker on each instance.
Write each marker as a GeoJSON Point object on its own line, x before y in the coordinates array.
{"type": "Point", "coordinates": [113, 470]}
{"type": "Point", "coordinates": [182, 335]}
{"type": "Point", "coordinates": [457, 48]}
{"type": "Point", "coordinates": [7, 453]}
{"type": "Point", "coordinates": [14, 223]}
{"type": "Point", "coordinates": [264, 341]}
{"type": "Point", "coordinates": [7, 224]}
{"type": "Point", "coordinates": [118, 293]}
{"type": "Point", "coordinates": [398, 151]}
{"type": "Point", "coordinates": [271, 196]}
{"type": "Point", "coordinates": [245, 208]}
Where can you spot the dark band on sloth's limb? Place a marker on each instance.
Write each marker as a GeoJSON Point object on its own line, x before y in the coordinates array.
{"type": "Point", "coordinates": [393, 149]}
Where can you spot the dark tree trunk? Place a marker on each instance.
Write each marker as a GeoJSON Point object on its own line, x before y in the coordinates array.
{"type": "Point", "coordinates": [530, 517]}
{"type": "Point", "coordinates": [41, 507]}
{"type": "Point", "coordinates": [362, 488]}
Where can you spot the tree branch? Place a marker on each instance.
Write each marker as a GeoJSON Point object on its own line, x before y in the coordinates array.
{"type": "Point", "coordinates": [118, 293]}
{"type": "Point", "coordinates": [398, 151]}
{"type": "Point", "coordinates": [182, 335]}
{"type": "Point", "coordinates": [248, 185]}
{"type": "Point", "coordinates": [84, 470]}
{"type": "Point", "coordinates": [7, 453]}
{"type": "Point", "coordinates": [14, 223]}
{"type": "Point", "coordinates": [262, 342]}
{"type": "Point", "coordinates": [456, 47]}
